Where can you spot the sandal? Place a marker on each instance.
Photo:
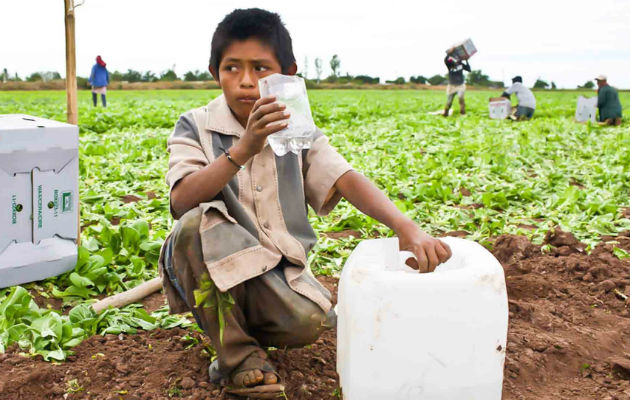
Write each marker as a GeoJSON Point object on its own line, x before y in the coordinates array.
{"type": "Point", "coordinates": [238, 388]}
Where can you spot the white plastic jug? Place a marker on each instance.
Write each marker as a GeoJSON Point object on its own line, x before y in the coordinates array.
{"type": "Point", "coordinates": [404, 335]}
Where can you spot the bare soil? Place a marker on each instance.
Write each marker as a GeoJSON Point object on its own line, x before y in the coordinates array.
{"type": "Point", "coordinates": [568, 338]}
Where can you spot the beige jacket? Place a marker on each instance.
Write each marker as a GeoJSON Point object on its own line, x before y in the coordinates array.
{"type": "Point", "coordinates": [261, 215]}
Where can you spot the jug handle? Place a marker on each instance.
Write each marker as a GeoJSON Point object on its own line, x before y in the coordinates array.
{"type": "Point", "coordinates": [405, 255]}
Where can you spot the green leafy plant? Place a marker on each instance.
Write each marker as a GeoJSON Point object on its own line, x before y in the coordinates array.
{"type": "Point", "coordinates": [209, 296]}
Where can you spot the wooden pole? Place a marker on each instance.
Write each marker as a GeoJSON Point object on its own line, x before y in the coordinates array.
{"type": "Point", "coordinates": [130, 296]}
{"type": "Point", "coordinates": [71, 67]}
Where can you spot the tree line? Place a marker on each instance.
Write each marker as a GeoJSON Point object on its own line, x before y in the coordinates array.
{"type": "Point", "coordinates": [474, 78]}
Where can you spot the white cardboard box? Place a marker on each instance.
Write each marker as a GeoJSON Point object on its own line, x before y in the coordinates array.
{"type": "Point", "coordinates": [499, 109]}
{"type": "Point", "coordinates": [586, 109]}
{"type": "Point", "coordinates": [463, 50]}
{"type": "Point", "coordinates": [39, 177]}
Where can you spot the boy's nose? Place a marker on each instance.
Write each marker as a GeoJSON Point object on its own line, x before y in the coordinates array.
{"type": "Point", "coordinates": [248, 78]}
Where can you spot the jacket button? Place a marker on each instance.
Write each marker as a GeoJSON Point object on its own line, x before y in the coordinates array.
{"type": "Point", "coordinates": [264, 268]}
{"type": "Point", "coordinates": [266, 225]}
{"type": "Point", "coordinates": [259, 188]}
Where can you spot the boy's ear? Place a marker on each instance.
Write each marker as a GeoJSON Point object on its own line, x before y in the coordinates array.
{"type": "Point", "coordinates": [292, 70]}
{"type": "Point", "coordinates": [214, 74]}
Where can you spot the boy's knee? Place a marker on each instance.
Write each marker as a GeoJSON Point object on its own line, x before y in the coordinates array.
{"type": "Point", "coordinates": [306, 328]}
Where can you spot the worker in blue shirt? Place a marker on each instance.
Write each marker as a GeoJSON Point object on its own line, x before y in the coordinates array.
{"type": "Point", "coordinates": [99, 79]}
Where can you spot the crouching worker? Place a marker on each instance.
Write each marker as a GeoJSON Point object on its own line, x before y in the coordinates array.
{"type": "Point", "coordinates": [526, 105]}
{"type": "Point", "coordinates": [608, 102]}
{"type": "Point", "coordinates": [237, 255]}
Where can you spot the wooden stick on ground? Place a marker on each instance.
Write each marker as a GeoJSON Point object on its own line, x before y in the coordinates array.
{"type": "Point", "coordinates": [130, 296]}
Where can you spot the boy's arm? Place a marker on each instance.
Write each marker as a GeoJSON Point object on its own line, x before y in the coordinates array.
{"type": "Point", "coordinates": [362, 193]}
{"type": "Point", "coordinates": [204, 184]}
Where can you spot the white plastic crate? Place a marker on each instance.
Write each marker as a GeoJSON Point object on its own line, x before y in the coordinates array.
{"type": "Point", "coordinates": [39, 171]}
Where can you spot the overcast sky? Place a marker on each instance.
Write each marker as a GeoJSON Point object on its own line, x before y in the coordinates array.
{"type": "Point", "coordinates": [567, 42]}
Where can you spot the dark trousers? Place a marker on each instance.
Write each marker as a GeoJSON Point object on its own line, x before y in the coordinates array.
{"type": "Point", "coordinates": [103, 100]}
{"type": "Point", "coordinates": [267, 312]}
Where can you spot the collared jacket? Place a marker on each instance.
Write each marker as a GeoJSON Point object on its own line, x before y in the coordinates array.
{"type": "Point", "coordinates": [99, 76]}
{"type": "Point", "coordinates": [608, 103]}
{"type": "Point", "coordinates": [261, 215]}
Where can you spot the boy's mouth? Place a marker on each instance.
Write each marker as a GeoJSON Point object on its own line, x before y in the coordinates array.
{"type": "Point", "coordinates": [247, 99]}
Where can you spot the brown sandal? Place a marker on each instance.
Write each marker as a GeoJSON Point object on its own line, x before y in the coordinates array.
{"type": "Point", "coordinates": [262, 391]}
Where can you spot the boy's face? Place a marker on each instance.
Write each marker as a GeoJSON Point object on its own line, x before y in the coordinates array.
{"type": "Point", "coordinates": [243, 63]}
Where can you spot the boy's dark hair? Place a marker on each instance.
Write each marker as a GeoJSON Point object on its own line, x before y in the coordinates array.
{"type": "Point", "coordinates": [252, 23]}
{"type": "Point", "coordinates": [517, 78]}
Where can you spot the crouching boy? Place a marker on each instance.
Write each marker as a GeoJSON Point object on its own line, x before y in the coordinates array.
{"type": "Point", "coordinates": [237, 255]}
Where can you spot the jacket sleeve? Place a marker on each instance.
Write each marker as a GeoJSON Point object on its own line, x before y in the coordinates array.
{"type": "Point", "coordinates": [107, 77]}
{"type": "Point", "coordinates": [466, 66]}
{"type": "Point", "coordinates": [91, 79]}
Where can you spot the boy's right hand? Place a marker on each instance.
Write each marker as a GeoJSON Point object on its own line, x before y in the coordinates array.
{"type": "Point", "coordinates": [259, 126]}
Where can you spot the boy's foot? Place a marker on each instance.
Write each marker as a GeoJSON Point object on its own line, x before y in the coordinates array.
{"type": "Point", "coordinates": [256, 378]}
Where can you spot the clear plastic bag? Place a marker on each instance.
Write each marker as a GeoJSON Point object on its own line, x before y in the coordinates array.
{"type": "Point", "coordinates": [290, 90]}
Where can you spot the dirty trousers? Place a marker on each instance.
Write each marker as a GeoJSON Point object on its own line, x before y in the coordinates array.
{"type": "Point", "coordinates": [267, 312]}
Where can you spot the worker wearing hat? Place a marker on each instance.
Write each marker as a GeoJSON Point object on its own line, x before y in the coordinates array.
{"type": "Point", "coordinates": [608, 102]}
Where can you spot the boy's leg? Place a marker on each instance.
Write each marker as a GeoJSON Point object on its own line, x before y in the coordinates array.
{"type": "Point", "coordinates": [94, 98]}
{"type": "Point", "coordinates": [103, 100]}
{"type": "Point", "coordinates": [462, 103]}
{"type": "Point", "coordinates": [279, 316]}
{"type": "Point", "coordinates": [189, 267]}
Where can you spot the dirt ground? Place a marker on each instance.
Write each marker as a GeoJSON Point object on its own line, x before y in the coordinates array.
{"type": "Point", "coordinates": [568, 338]}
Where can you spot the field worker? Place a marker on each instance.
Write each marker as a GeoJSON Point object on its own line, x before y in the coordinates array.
{"type": "Point", "coordinates": [526, 101]}
{"type": "Point", "coordinates": [456, 85]}
{"type": "Point", "coordinates": [608, 102]}
{"type": "Point", "coordinates": [99, 79]}
{"type": "Point", "coordinates": [242, 226]}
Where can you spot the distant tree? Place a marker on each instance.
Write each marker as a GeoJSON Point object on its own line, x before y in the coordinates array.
{"type": "Point", "coordinates": [169, 75]}
{"type": "Point", "coordinates": [335, 63]}
{"type": "Point", "coordinates": [587, 85]}
{"type": "Point", "coordinates": [43, 76]}
{"type": "Point", "coordinates": [477, 78]}
{"type": "Point", "coordinates": [148, 76]}
{"type": "Point", "coordinates": [5, 75]}
{"type": "Point", "coordinates": [553, 85]}
{"type": "Point", "coordinates": [437, 80]}
{"type": "Point", "coordinates": [116, 76]}
{"type": "Point", "coordinates": [418, 79]}
{"type": "Point", "coordinates": [205, 76]}
{"type": "Point", "coordinates": [540, 84]}
{"type": "Point", "coordinates": [17, 78]}
{"type": "Point", "coordinates": [398, 81]}
{"type": "Point", "coordinates": [366, 79]}
{"type": "Point", "coordinates": [35, 76]}
{"type": "Point", "coordinates": [318, 68]}
{"type": "Point", "coordinates": [191, 76]}
{"type": "Point", "coordinates": [132, 76]}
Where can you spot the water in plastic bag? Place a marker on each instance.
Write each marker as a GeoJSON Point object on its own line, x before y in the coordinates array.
{"type": "Point", "coordinates": [290, 90]}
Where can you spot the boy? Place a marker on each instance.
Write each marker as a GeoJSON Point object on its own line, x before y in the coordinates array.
{"type": "Point", "coordinates": [456, 84]}
{"type": "Point", "coordinates": [526, 101]}
{"type": "Point", "coordinates": [243, 223]}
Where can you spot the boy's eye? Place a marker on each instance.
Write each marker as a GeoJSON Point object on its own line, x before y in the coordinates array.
{"type": "Point", "coordinates": [261, 68]}
{"type": "Point", "coordinates": [230, 68]}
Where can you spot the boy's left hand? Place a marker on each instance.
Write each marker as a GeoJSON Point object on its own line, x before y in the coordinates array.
{"type": "Point", "coordinates": [429, 251]}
